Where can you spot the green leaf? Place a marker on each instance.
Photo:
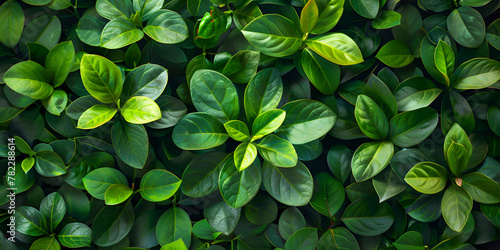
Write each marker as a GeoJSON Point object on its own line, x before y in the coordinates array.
{"type": "Point", "coordinates": [370, 159]}
{"type": "Point", "coordinates": [457, 149]}
{"type": "Point", "coordinates": [410, 128]}
{"type": "Point", "coordinates": [215, 94]}
{"type": "Point", "coordinates": [262, 210]}
{"type": "Point", "coordinates": [159, 185]}
{"type": "Point", "coordinates": [239, 187]}
{"type": "Point", "coordinates": [395, 54]}
{"type": "Point", "coordinates": [48, 243]}
{"type": "Point", "coordinates": [197, 131]}
{"type": "Point", "coordinates": [456, 206]}
{"type": "Point", "coordinates": [56, 103]}
{"type": "Point", "coordinates": [456, 109]}
{"type": "Point", "coordinates": [466, 26]}
{"type": "Point", "coordinates": [112, 9]}
{"type": "Point", "coordinates": [30, 79]}
{"type": "Point", "coordinates": [213, 24]}
{"type": "Point", "coordinates": [243, 16]}
{"type": "Point", "coordinates": [273, 35]}
{"type": "Point", "coordinates": [140, 110]}
{"type": "Point", "coordinates": [12, 23]}
{"type": "Point", "coordinates": [148, 80]}
{"type": "Point", "coordinates": [277, 151]}
{"type": "Point", "coordinates": [444, 58]}
{"type": "Point", "coordinates": [30, 221]}
{"type": "Point", "coordinates": [338, 238]}
{"type": "Point", "coordinates": [174, 224]}
{"type": "Point", "coordinates": [130, 142]}
{"type": "Point", "coordinates": [112, 224]}
{"type": "Point", "coordinates": [45, 30]}
{"type": "Point", "coordinates": [77, 203]}
{"type": "Point", "coordinates": [305, 121]}
{"type": "Point", "coordinates": [117, 193]}
{"type": "Point", "coordinates": [481, 188]}
{"type": "Point", "coordinates": [410, 241]}
{"type": "Point", "coordinates": [53, 210]}
{"type": "Point", "coordinates": [291, 220]}
{"type": "Point", "coordinates": [304, 238]}
{"type": "Point", "coordinates": [172, 110]}
{"type": "Point", "coordinates": [203, 230]}
{"type": "Point", "coordinates": [59, 62]}
{"type": "Point", "coordinates": [366, 8]}
{"type": "Point", "coordinates": [99, 180]}
{"type": "Point", "coordinates": [201, 176]}
{"type": "Point", "coordinates": [371, 119]}
{"type": "Point", "coordinates": [27, 164]}
{"type": "Point", "coordinates": [242, 66]}
{"type": "Point", "coordinates": [290, 186]}
{"type": "Point", "coordinates": [427, 177]}
{"type": "Point", "coordinates": [386, 20]}
{"type": "Point", "coordinates": [427, 208]}
{"type": "Point", "coordinates": [493, 119]}
{"type": "Point", "coordinates": [329, 13]}
{"type": "Point", "coordinates": [244, 155]}
{"type": "Point", "coordinates": [368, 217]}
{"type": "Point", "coordinates": [339, 161]}
{"type": "Point", "coordinates": [49, 164]}
{"type": "Point", "coordinates": [493, 34]}
{"type": "Point", "coordinates": [263, 93]}
{"type": "Point", "coordinates": [101, 78]}
{"type": "Point", "coordinates": [75, 235]}
{"type": "Point", "coordinates": [328, 195]}
{"type": "Point", "coordinates": [96, 116]}
{"type": "Point", "coordinates": [415, 92]}
{"type": "Point", "coordinates": [166, 26]}
{"type": "Point", "coordinates": [89, 30]}
{"type": "Point", "coordinates": [492, 212]}
{"type": "Point", "coordinates": [176, 245]}
{"type": "Point", "coordinates": [337, 48]}
{"type": "Point", "coordinates": [477, 73]}
{"type": "Point", "coordinates": [309, 16]}
{"type": "Point", "coordinates": [237, 130]}
{"type": "Point", "coordinates": [381, 95]}
{"type": "Point", "coordinates": [147, 7]}
{"type": "Point", "coordinates": [198, 7]}
{"type": "Point", "coordinates": [222, 217]}
{"type": "Point", "coordinates": [119, 33]}
{"type": "Point", "coordinates": [387, 184]}
{"type": "Point", "coordinates": [323, 74]}
{"type": "Point", "coordinates": [267, 122]}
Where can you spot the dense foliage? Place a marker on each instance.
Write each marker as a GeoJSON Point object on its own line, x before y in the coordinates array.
{"type": "Point", "coordinates": [249, 124]}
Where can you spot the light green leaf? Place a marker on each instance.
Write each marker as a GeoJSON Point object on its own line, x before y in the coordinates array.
{"type": "Point", "coordinates": [386, 19]}
{"type": "Point", "coordinates": [457, 149]}
{"type": "Point", "coordinates": [101, 78]}
{"type": "Point", "coordinates": [96, 116]}
{"type": "Point", "coordinates": [49, 164]}
{"type": "Point", "coordinates": [75, 235]}
{"type": "Point", "coordinates": [476, 73]}
{"type": "Point", "coordinates": [481, 188]}
{"type": "Point", "coordinates": [244, 155]}
{"type": "Point", "coordinates": [277, 151]}
{"type": "Point", "coordinates": [237, 130]}
{"type": "Point", "coordinates": [395, 54]}
{"type": "Point", "coordinates": [309, 16]}
{"type": "Point", "coordinates": [119, 33]}
{"type": "Point", "coordinates": [56, 103]}
{"type": "Point", "coordinates": [30, 79]}
{"type": "Point", "coordinates": [59, 62]}
{"type": "Point", "coordinates": [117, 193]}
{"type": "Point", "coordinates": [337, 48]}
{"type": "Point", "coordinates": [323, 74]}
{"type": "Point", "coordinates": [370, 159]}
{"type": "Point", "coordinates": [159, 185]}
{"type": "Point", "coordinates": [267, 123]}
{"type": "Point", "coordinates": [427, 177]}
{"type": "Point", "coordinates": [456, 206]}
{"type": "Point", "coordinates": [140, 110]}
{"type": "Point", "coordinates": [329, 13]}
{"type": "Point", "coordinates": [444, 58]}
{"type": "Point", "coordinates": [99, 180]}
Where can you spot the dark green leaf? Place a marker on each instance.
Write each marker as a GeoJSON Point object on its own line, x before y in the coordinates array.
{"type": "Point", "coordinates": [456, 206]}
{"type": "Point", "coordinates": [367, 217]}
{"type": "Point", "coordinates": [30, 221]}
{"type": "Point", "coordinates": [53, 209]}
{"type": "Point", "coordinates": [304, 238]}
{"type": "Point", "coordinates": [467, 27]}
{"type": "Point", "coordinates": [197, 131]}
{"type": "Point", "coordinates": [410, 128]}
{"type": "Point", "coordinates": [112, 224]}
{"type": "Point", "coordinates": [328, 195]}
{"type": "Point", "coordinates": [323, 74]}
{"type": "Point", "coordinates": [130, 142]}
{"type": "Point", "coordinates": [291, 220]}
{"type": "Point", "coordinates": [295, 185]}
{"type": "Point", "coordinates": [75, 235]}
